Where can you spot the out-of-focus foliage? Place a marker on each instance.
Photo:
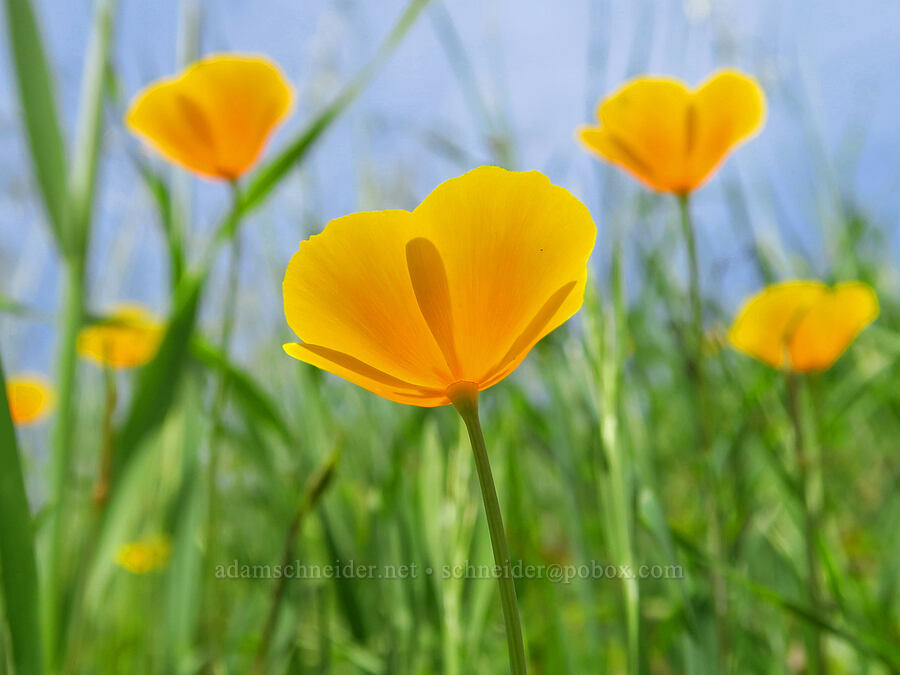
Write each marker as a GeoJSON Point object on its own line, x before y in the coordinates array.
{"type": "Point", "coordinates": [247, 463]}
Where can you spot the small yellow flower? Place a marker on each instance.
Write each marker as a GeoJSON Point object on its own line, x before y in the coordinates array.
{"type": "Point", "coordinates": [673, 138]}
{"type": "Point", "coordinates": [128, 338]}
{"type": "Point", "coordinates": [803, 326]}
{"type": "Point", "coordinates": [456, 292]}
{"type": "Point", "coordinates": [30, 398]}
{"type": "Point", "coordinates": [215, 116]}
{"type": "Point", "coordinates": [146, 555]}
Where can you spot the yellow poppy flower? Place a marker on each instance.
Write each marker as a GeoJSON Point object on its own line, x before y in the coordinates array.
{"type": "Point", "coordinates": [407, 304]}
{"type": "Point", "coordinates": [215, 117]}
{"type": "Point", "coordinates": [127, 339]}
{"type": "Point", "coordinates": [803, 326]}
{"type": "Point", "coordinates": [670, 137]}
{"type": "Point", "coordinates": [30, 398]}
{"type": "Point", "coordinates": [147, 555]}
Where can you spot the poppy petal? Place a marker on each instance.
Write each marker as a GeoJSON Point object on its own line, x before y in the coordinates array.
{"type": "Point", "coordinates": [642, 129]}
{"type": "Point", "coordinates": [764, 323]}
{"type": "Point", "coordinates": [533, 332]}
{"type": "Point", "coordinates": [429, 281]}
{"type": "Point", "coordinates": [730, 108]}
{"type": "Point", "coordinates": [508, 241]}
{"type": "Point", "coordinates": [828, 328]}
{"type": "Point", "coordinates": [215, 117]}
{"type": "Point", "coordinates": [348, 289]}
{"type": "Point", "coordinates": [361, 374]}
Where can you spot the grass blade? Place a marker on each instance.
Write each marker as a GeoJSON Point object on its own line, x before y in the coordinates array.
{"type": "Point", "coordinates": [158, 380]}
{"type": "Point", "coordinates": [169, 224]}
{"type": "Point", "coordinates": [75, 233]}
{"type": "Point", "coordinates": [17, 560]}
{"type": "Point", "coordinates": [83, 174]}
{"type": "Point", "coordinates": [39, 111]}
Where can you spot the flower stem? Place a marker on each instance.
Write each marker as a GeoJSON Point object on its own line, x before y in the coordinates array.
{"type": "Point", "coordinates": [101, 488]}
{"type": "Point", "coordinates": [464, 396]}
{"type": "Point", "coordinates": [702, 416]}
{"type": "Point", "coordinates": [810, 521]}
{"type": "Point", "coordinates": [690, 242]}
{"type": "Point", "coordinates": [220, 398]}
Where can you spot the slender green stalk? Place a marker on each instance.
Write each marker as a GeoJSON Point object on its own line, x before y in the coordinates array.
{"type": "Point", "coordinates": [810, 524]}
{"type": "Point", "coordinates": [702, 415]}
{"type": "Point", "coordinates": [104, 471]}
{"type": "Point", "coordinates": [315, 488]}
{"type": "Point", "coordinates": [690, 242]}
{"type": "Point", "coordinates": [63, 437]}
{"type": "Point", "coordinates": [73, 620]}
{"type": "Point", "coordinates": [220, 396]}
{"type": "Point", "coordinates": [464, 396]}
{"type": "Point", "coordinates": [619, 484]}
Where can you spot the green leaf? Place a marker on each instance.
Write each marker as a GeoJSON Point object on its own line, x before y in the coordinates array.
{"type": "Point", "coordinates": [17, 561]}
{"type": "Point", "coordinates": [167, 219]}
{"type": "Point", "coordinates": [158, 380]}
{"type": "Point", "coordinates": [39, 111]}
{"type": "Point", "coordinates": [83, 174]}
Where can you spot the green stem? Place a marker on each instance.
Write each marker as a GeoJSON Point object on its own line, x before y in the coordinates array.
{"type": "Point", "coordinates": [464, 396]}
{"type": "Point", "coordinates": [63, 441]}
{"type": "Point", "coordinates": [810, 524]}
{"type": "Point", "coordinates": [697, 371]}
{"type": "Point", "coordinates": [690, 242]}
{"type": "Point", "coordinates": [221, 393]}
{"type": "Point", "coordinates": [101, 488]}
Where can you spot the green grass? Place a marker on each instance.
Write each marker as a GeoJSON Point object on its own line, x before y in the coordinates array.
{"type": "Point", "coordinates": [593, 445]}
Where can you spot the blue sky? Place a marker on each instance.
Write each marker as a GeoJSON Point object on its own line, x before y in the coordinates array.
{"type": "Point", "coordinates": [829, 69]}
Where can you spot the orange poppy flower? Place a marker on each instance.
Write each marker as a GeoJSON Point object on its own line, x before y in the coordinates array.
{"type": "Point", "coordinates": [30, 399]}
{"type": "Point", "coordinates": [456, 292]}
{"type": "Point", "coordinates": [127, 339]}
{"type": "Point", "coordinates": [803, 326]}
{"type": "Point", "coordinates": [670, 137]}
{"type": "Point", "coordinates": [215, 117]}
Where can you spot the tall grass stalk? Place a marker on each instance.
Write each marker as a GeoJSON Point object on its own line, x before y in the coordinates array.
{"type": "Point", "coordinates": [620, 466]}
{"type": "Point", "coordinates": [315, 487]}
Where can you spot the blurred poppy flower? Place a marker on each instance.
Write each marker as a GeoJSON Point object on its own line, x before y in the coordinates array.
{"type": "Point", "coordinates": [670, 137]}
{"type": "Point", "coordinates": [30, 398]}
{"type": "Point", "coordinates": [215, 117]}
{"type": "Point", "coordinates": [803, 326]}
{"type": "Point", "coordinates": [128, 338]}
{"type": "Point", "coordinates": [458, 291]}
{"type": "Point", "coordinates": [147, 555]}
